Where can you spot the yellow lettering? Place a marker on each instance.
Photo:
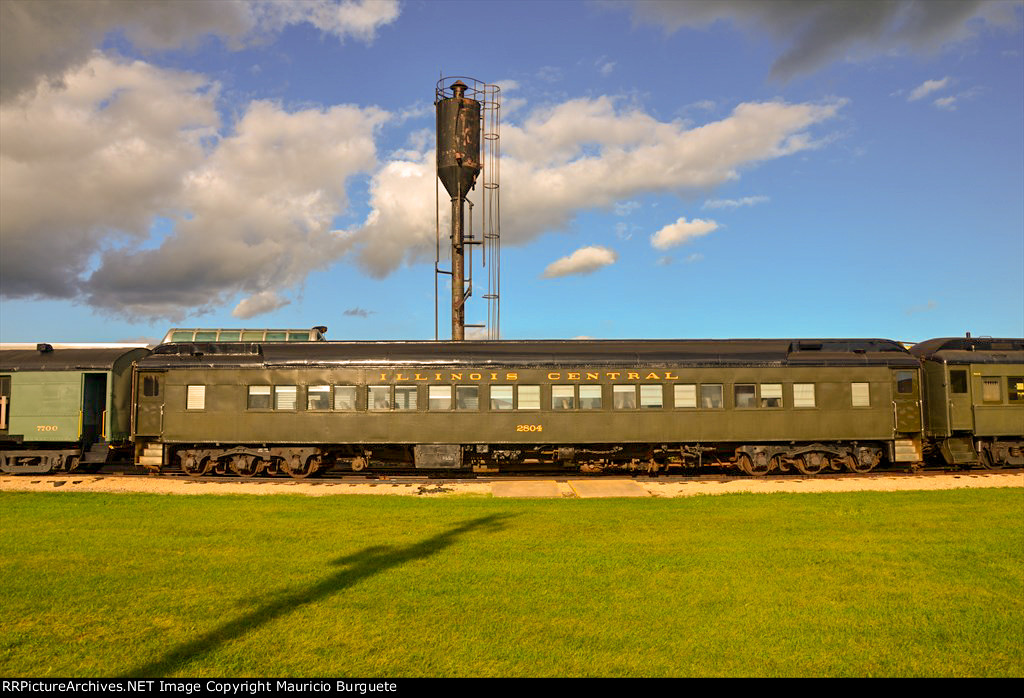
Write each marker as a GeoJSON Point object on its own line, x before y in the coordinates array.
{"type": "Point", "coordinates": [669, 376]}
{"type": "Point", "coordinates": [383, 376]}
{"type": "Point", "coordinates": [456, 377]}
{"type": "Point", "coordinates": [574, 376]}
{"type": "Point", "coordinates": [592, 376]}
{"type": "Point", "coordinates": [437, 376]}
{"type": "Point", "coordinates": [613, 375]}
{"type": "Point", "coordinates": [511, 376]}
{"type": "Point", "coordinates": [474, 376]}
{"type": "Point", "coordinates": [554, 376]}
{"type": "Point", "coordinates": [494, 376]}
{"type": "Point", "coordinates": [420, 378]}
{"type": "Point", "coordinates": [400, 377]}
{"type": "Point", "coordinates": [651, 376]}
{"type": "Point", "coordinates": [632, 376]}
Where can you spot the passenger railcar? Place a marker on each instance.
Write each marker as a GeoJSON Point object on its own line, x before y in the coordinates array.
{"type": "Point", "coordinates": [297, 408]}
{"type": "Point", "coordinates": [64, 406]}
{"type": "Point", "coordinates": [974, 393]}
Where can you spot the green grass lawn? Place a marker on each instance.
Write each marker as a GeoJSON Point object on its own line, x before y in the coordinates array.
{"type": "Point", "coordinates": [852, 584]}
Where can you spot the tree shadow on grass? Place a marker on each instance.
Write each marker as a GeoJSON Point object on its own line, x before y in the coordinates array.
{"type": "Point", "coordinates": [356, 567]}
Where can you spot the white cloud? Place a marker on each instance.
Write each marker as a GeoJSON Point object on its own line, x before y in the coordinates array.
{"type": "Point", "coordinates": [87, 167]}
{"type": "Point", "coordinates": [695, 257]}
{"type": "Point", "coordinates": [735, 203]}
{"type": "Point", "coordinates": [947, 103]}
{"type": "Point", "coordinates": [814, 34]}
{"type": "Point", "coordinates": [585, 260]}
{"type": "Point", "coordinates": [42, 39]}
{"type": "Point", "coordinates": [682, 231]}
{"type": "Point", "coordinates": [263, 302]}
{"type": "Point", "coordinates": [89, 164]}
{"type": "Point", "coordinates": [579, 155]}
{"type": "Point", "coordinates": [926, 88]}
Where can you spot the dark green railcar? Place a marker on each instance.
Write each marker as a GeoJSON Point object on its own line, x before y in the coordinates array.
{"type": "Point", "coordinates": [300, 407]}
{"type": "Point", "coordinates": [974, 390]}
{"type": "Point", "coordinates": [63, 406]}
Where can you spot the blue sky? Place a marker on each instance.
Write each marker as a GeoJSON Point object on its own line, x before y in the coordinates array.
{"type": "Point", "coordinates": [670, 169]}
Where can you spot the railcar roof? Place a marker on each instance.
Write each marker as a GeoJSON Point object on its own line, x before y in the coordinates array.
{"type": "Point", "coordinates": [971, 350]}
{"type": "Point", "coordinates": [526, 353]}
{"type": "Point", "coordinates": [58, 358]}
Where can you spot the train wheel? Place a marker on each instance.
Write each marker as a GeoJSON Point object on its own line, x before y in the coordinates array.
{"type": "Point", "coordinates": [811, 463]}
{"type": "Point", "coordinates": [358, 464]}
{"type": "Point", "coordinates": [858, 465]}
{"type": "Point", "coordinates": [245, 466]}
{"type": "Point", "coordinates": [191, 466]}
{"type": "Point", "coordinates": [757, 468]}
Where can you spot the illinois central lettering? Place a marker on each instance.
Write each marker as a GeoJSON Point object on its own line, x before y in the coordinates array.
{"type": "Point", "coordinates": [513, 376]}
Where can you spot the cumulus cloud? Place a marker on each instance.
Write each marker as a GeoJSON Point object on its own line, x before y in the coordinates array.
{"type": "Point", "coordinates": [735, 203]}
{"type": "Point", "coordinates": [579, 155]}
{"type": "Point", "coordinates": [44, 39]}
{"type": "Point", "coordinates": [814, 34]}
{"type": "Point", "coordinates": [585, 260]}
{"type": "Point", "coordinates": [259, 214]}
{"type": "Point", "coordinates": [263, 302]}
{"type": "Point", "coordinates": [926, 88]}
{"type": "Point", "coordinates": [85, 169]}
{"type": "Point", "coordinates": [682, 231]}
{"type": "Point", "coordinates": [91, 163]}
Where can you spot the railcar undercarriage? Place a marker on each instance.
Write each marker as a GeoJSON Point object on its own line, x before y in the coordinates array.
{"type": "Point", "coordinates": [301, 461]}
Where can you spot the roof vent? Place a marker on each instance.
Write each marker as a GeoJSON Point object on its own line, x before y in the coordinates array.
{"type": "Point", "coordinates": [44, 348]}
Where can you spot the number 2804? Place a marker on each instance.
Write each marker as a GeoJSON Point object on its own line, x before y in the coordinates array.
{"type": "Point", "coordinates": [529, 427]}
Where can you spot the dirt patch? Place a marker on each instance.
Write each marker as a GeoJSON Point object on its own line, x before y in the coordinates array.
{"type": "Point", "coordinates": [656, 487]}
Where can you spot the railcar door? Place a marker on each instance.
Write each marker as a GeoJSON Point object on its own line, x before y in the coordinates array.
{"type": "Point", "coordinates": [94, 407]}
{"type": "Point", "coordinates": [149, 399]}
{"type": "Point", "coordinates": [906, 396]}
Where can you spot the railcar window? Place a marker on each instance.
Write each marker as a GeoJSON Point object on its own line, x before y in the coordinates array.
{"type": "Point", "coordinates": [651, 396]}
{"type": "Point", "coordinates": [624, 397]}
{"type": "Point", "coordinates": [563, 397]}
{"type": "Point", "coordinates": [711, 397]}
{"type": "Point", "coordinates": [467, 397]}
{"type": "Point", "coordinates": [904, 382]}
{"type": "Point", "coordinates": [990, 390]}
{"type": "Point", "coordinates": [298, 336]}
{"type": "Point", "coordinates": [685, 395]}
{"type": "Point", "coordinates": [181, 336]}
{"type": "Point", "coordinates": [744, 396]}
{"type": "Point", "coordinates": [958, 381]}
{"type": "Point", "coordinates": [195, 397]}
{"type": "Point", "coordinates": [206, 336]}
{"type": "Point", "coordinates": [529, 397]}
{"type": "Point", "coordinates": [318, 397]}
{"type": "Point", "coordinates": [345, 397]}
{"type": "Point", "coordinates": [501, 397]}
{"type": "Point", "coordinates": [252, 336]}
{"type": "Point", "coordinates": [590, 397]}
{"type": "Point", "coordinates": [150, 386]}
{"type": "Point", "coordinates": [439, 397]}
{"type": "Point", "coordinates": [276, 336]}
{"type": "Point", "coordinates": [771, 395]}
{"type": "Point", "coordinates": [1015, 388]}
{"type": "Point", "coordinates": [803, 395]}
{"type": "Point", "coordinates": [229, 336]}
{"type": "Point", "coordinates": [285, 397]}
{"type": "Point", "coordinates": [259, 397]}
{"type": "Point", "coordinates": [861, 394]}
{"type": "Point", "coordinates": [378, 397]}
{"type": "Point", "coordinates": [405, 397]}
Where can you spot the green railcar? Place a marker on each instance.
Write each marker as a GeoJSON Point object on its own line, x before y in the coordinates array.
{"type": "Point", "coordinates": [63, 406]}
{"type": "Point", "coordinates": [760, 405]}
{"type": "Point", "coordinates": [974, 389]}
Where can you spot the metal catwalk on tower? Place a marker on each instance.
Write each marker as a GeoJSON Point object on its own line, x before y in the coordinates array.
{"type": "Point", "coordinates": [468, 146]}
